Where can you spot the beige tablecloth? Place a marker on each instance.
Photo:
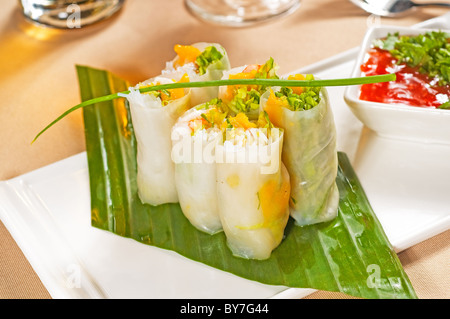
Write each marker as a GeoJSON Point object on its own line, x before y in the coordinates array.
{"type": "Point", "coordinates": [38, 82]}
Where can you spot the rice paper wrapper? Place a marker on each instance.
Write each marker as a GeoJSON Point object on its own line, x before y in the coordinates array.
{"type": "Point", "coordinates": [213, 72]}
{"type": "Point", "coordinates": [195, 173]}
{"type": "Point", "coordinates": [253, 196]}
{"type": "Point", "coordinates": [152, 124]}
{"type": "Point", "coordinates": [310, 156]}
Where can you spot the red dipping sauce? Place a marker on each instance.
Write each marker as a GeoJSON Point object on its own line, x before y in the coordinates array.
{"type": "Point", "coordinates": [410, 88]}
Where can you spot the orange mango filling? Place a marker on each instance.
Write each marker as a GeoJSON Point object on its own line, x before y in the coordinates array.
{"type": "Point", "coordinates": [297, 89]}
{"type": "Point", "coordinates": [274, 202]}
{"type": "Point", "coordinates": [186, 54]}
{"type": "Point", "coordinates": [173, 94]}
{"type": "Point", "coordinates": [274, 109]}
{"type": "Point", "coordinates": [241, 121]}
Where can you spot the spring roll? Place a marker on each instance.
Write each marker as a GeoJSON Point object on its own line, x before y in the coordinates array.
{"type": "Point", "coordinates": [245, 98]}
{"type": "Point", "coordinates": [309, 152]}
{"type": "Point", "coordinates": [202, 62]}
{"type": "Point", "coordinates": [153, 115]}
{"type": "Point", "coordinates": [253, 188]}
{"type": "Point", "coordinates": [194, 138]}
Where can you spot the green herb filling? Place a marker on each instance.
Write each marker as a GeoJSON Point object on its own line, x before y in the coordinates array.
{"type": "Point", "coordinates": [209, 56]}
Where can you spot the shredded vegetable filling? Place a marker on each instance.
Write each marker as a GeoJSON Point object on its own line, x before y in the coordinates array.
{"type": "Point", "coordinates": [201, 60]}
{"type": "Point", "coordinates": [245, 98]}
{"type": "Point", "coordinates": [168, 95]}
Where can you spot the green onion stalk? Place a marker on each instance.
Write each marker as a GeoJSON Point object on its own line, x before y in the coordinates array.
{"type": "Point", "coordinates": [264, 82]}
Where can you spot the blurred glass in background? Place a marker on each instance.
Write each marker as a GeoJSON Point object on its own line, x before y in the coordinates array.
{"type": "Point", "coordinates": [240, 13]}
{"type": "Point", "coordinates": [69, 14]}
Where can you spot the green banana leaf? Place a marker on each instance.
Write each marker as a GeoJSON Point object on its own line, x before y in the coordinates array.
{"type": "Point", "coordinates": [350, 254]}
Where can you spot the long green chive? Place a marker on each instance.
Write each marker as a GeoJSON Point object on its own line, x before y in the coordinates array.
{"type": "Point", "coordinates": [265, 82]}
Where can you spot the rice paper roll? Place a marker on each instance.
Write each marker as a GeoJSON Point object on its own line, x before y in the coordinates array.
{"type": "Point", "coordinates": [309, 152]}
{"type": "Point", "coordinates": [194, 138]}
{"type": "Point", "coordinates": [253, 189]}
{"type": "Point", "coordinates": [153, 115]}
{"type": "Point", "coordinates": [201, 62]}
{"type": "Point", "coordinates": [246, 98]}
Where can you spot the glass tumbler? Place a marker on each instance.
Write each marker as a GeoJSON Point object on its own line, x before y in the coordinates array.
{"type": "Point", "coordinates": [69, 14]}
{"type": "Point", "coordinates": [240, 13]}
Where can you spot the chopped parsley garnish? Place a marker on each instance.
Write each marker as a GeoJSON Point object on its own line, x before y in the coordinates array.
{"type": "Point", "coordinates": [206, 58]}
{"type": "Point", "coordinates": [445, 106]}
{"type": "Point", "coordinates": [429, 52]}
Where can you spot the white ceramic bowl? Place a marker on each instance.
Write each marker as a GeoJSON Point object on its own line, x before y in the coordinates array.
{"type": "Point", "coordinates": [397, 120]}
